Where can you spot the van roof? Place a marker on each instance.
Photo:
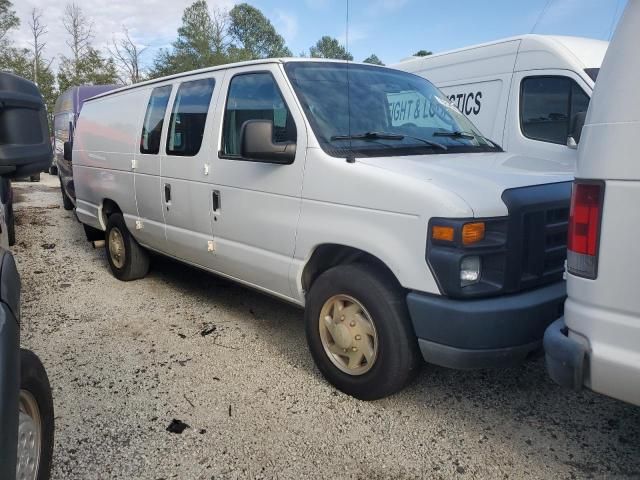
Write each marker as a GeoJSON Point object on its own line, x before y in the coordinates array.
{"type": "Point", "coordinates": [281, 60]}
{"type": "Point", "coordinates": [588, 52]}
{"type": "Point", "coordinates": [71, 100]}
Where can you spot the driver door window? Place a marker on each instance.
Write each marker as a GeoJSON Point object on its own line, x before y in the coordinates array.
{"type": "Point", "coordinates": [255, 96]}
{"type": "Point", "coordinates": [547, 105]}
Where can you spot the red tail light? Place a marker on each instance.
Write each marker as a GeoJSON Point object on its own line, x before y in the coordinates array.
{"type": "Point", "coordinates": [584, 228]}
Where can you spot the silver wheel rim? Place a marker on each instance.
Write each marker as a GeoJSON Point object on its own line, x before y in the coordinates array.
{"type": "Point", "coordinates": [348, 335]}
{"type": "Point", "coordinates": [29, 437]}
{"type": "Point", "coordinates": [116, 247]}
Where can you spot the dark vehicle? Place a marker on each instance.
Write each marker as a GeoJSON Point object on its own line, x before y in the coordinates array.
{"type": "Point", "coordinates": [26, 404]}
{"type": "Point", "coordinates": [8, 223]}
{"type": "Point", "coordinates": [65, 116]}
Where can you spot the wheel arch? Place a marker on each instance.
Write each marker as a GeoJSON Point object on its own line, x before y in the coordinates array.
{"type": "Point", "coordinates": [328, 255]}
{"type": "Point", "coordinates": [107, 208]}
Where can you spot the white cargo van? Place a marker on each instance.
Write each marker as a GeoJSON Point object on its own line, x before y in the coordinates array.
{"type": "Point", "coordinates": [597, 344]}
{"type": "Point", "coordinates": [398, 235]}
{"type": "Point", "coordinates": [525, 92]}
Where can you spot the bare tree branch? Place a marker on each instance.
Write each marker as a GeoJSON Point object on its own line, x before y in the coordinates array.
{"type": "Point", "coordinates": [38, 31]}
{"type": "Point", "coordinates": [127, 56]}
{"type": "Point", "coordinates": [80, 29]}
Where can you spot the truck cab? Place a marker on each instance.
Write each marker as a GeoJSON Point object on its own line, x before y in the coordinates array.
{"type": "Point", "coordinates": [354, 191]}
{"type": "Point", "coordinates": [524, 92]}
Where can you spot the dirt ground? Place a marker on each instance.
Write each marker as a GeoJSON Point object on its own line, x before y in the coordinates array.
{"type": "Point", "coordinates": [125, 359]}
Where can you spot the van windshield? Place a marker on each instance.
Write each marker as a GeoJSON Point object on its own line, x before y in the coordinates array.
{"type": "Point", "coordinates": [384, 112]}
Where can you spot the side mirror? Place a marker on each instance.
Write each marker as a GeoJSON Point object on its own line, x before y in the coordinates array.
{"type": "Point", "coordinates": [256, 144]}
{"type": "Point", "coordinates": [67, 149]}
{"type": "Point", "coordinates": [575, 130]}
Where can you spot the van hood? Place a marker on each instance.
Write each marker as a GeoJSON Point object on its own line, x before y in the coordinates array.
{"type": "Point", "coordinates": [478, 178]}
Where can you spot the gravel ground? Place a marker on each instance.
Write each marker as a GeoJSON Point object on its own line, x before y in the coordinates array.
{"type": "Point", "coordinates": [125, 359]}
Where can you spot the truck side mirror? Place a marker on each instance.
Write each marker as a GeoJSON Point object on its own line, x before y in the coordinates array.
{"type": "Point", "coordinates": [256, 144]}
{"type": "Point", "coordinates": [575, 130]}
{"type": "Point", "coordinates": [67, 150]}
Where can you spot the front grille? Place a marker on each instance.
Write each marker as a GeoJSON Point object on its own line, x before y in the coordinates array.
{"type": "Point", "coordinates": [537, 238]}
{"type": "Point", "coordinates": [544, 244]}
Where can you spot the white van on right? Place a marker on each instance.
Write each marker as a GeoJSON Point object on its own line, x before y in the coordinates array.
{"type": "Point", "coordinates": [597, 344]}
{"type": "Point", "coordinates": [524, 92]}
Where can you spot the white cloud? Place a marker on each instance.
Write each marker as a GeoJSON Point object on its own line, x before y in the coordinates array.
{"type": "Point", "coordinates": [150, 22]}
{"type": "Point", "coordinates": [286, 24]}
{"type": "Point", "coordinates": [356, 34]}
{"type": "Point", "coordinates": [317, 4]}
{"type": "Point", "coordinates": [390, 4]}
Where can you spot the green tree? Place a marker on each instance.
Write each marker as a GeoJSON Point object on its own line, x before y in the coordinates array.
{"type": "Point", "coordinates": [8, 19]}
{"type": "Point", "coordinates": [422, 53]}
{"type": "Point", "coordinates": [373, 59]}
{"type": "Point", "coordinates": [91, 69]}
{"type": "Point", "coordinates": [201, 42]}
{"type": "Point", "coordinates": [253, 35]}
{"type": "Point", "coordinates": [16, 60]}
{"type": "Point", "coordinates": [328, 47]}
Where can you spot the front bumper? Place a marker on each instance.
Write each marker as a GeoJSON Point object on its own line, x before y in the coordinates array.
{"type": "Point", "coordinates": [565, 357]}
{"type": "Point", "coordinates": [484, 333]}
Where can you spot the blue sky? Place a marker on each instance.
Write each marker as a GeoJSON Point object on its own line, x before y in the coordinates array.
{"type": "Point", "coordinates": [392, 29]}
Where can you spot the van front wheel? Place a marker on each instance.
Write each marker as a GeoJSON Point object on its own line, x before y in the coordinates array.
{"type": "Point", "coordinates": [127, 259]}
{"type": "Point", "coordinates": [359, 332]}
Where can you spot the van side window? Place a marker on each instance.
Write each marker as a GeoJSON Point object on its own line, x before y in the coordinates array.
{"type": "Point", "coordinates": [153, 119]}
{"type": "Point", "coordinates": [547, 105]}
{"type": "Point", "coordinates": [188, 117]}
{"type": "Point", "coordinates": [61, 130]}
{"type": "Point", "coordinates": [255, 96]}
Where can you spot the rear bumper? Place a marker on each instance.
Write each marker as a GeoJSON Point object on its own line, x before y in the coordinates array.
{"type": "Point", "coordinates": [565, 357]}
{"type": "Point", "coordinates": [484, 333]}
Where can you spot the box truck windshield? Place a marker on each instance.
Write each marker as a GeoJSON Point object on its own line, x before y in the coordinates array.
{"type": "Point", "coordinates": [383, 112]}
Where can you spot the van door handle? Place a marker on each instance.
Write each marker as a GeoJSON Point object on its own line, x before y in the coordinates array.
{"type": "Point", "coordinates": [216, 200]}
{"type": "Point", "coordinates": [167, 193]}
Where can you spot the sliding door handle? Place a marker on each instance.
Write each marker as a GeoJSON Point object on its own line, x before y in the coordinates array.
{"type": "Point", "coordinates": [167, 193]}
{"type": "Point", "coordinates": [216, 200]}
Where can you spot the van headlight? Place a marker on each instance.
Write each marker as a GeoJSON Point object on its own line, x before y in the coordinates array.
{"type": "Point", "coordinates": [469, 270]}
{"type": "Point", "coordinates": [467, 256]}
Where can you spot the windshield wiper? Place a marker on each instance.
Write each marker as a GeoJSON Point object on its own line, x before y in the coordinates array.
{"type": "Point", "coordinates": [455, 134]}
{"type": "Point", "coordinates": [465, 136]}
{"type": "Point", "coordinates": [386, 136]}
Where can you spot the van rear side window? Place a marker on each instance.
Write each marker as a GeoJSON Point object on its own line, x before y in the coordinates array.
{"type": "Point", "coordinates": [153, 119]}
{"type": "Point", "coordinates": [547, 106]}
{"type": "Point", "coordinates": [188, 117]}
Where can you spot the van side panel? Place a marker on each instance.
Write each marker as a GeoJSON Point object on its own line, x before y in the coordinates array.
{"type": "Point", "coordinates": [365, 207]}
{"type": "Point", "coordinates": [476, 80]}
{"type": "Point", "coordinates": [106, 135]}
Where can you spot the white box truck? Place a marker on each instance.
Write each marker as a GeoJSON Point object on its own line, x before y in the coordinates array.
{"type": "Point", "coordinates": [597, 343]}
{"type": "Point", "coordinates": [527, 93]}
{"type": "Point", "coordinates": [399, 234]}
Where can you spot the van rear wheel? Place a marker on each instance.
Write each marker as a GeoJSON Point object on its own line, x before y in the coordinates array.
{"type": "Point", "coordinates": [127, 259]}
{"type": "Point", "coordinates": [359, 332]}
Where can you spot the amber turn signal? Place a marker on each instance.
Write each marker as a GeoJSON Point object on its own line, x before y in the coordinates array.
{"type": "Point", "coordinates": [472, 233]}
{"type": "Point", "coordinates": [441, 233]}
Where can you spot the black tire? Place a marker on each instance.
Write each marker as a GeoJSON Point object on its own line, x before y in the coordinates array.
{"type": "Point", "coordinates": [397, 359]}
{"type": "Point", "coordinates": [53, 170]}
{"type": "Point", "coordinates": [34, 178]}
{"type": "Point", "coordinates": [136, 259]}
{"type": "Point", "coordinates": [67, 204]}
{"type": "Point", "coordinates": [33, 379]}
